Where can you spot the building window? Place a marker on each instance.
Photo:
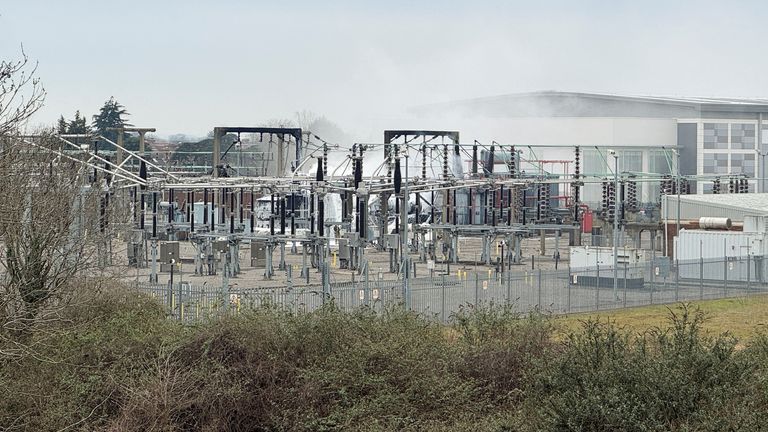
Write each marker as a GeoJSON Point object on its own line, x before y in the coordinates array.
{"type": "Point", "coordinates": [716, 163]}
{"type": "Point", "coordinates": [631, 161]}
{"type": "Point", "coordinates": [764, 138]}
{"type": "Point", "coordinates": [594, 165]}
{"type": "Point", "coordinates": [715, 135]}
{"type": "Point", "coordinates": [742, 136]}
{"type": "Point", "coordinates": [741, 163]}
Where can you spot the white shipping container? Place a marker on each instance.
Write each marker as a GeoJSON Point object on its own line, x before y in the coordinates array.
{"type": "Point", "coordinates": [715, 255]}
{"type": "Point", "coordinates": [593, 263]}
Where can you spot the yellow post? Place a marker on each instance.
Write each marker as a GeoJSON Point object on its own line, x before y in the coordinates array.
{"type": "Point", "coordinates": [182, 311]}
{"type": "Point", "coordinates": [173, 301]}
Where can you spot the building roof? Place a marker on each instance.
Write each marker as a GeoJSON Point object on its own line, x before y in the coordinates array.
{"type": "Point", "coordinates": [734, 206]}
{"type": "Point", "coordinates": [575, 104]}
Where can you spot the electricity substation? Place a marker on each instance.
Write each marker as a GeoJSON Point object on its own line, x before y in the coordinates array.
{"type": "Point", "coordinates": [421, 218]}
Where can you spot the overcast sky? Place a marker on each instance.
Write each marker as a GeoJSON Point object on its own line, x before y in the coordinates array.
{"type": "Point", "coordinates": [187, 66]}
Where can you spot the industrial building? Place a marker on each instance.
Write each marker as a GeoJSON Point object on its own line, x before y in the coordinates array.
{"type": "Point", "coordinates": [716, 137]}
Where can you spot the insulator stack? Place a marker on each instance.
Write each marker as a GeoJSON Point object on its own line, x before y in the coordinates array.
{"type": "Point", "coordinates": [543, 201]}
{"type": "Point", "coordinates": [325, 160]}
{"type": "Point", "coordinates": [424, 162]}
{"type": "Point", "coordinates": [388, 159]}
{"type": "Point", "coordinates": [445, 162]}
{"type": "Point", "coordinates": [731, 186]}
{"type": "Point", "coordinates": [685, 187]}
{"type": "Point", "coordinates": [608, 211]}
{"type": "Point", "coordinates": [512, 162]}
{"type": "Point", "coordinates": [611, 213]}
{"type": "Point", "coordinates": [667, 186]}
{"type": "Point", "coordinates": [575, 185]}
{"type": "Point", "coordinates": [743, 186]}
{"type": "Point", "coordinates": [631, 203]}
{"type": "Point", "coordinates": [576, 163]}
{"type": "Point", "coordinates": [716, 186]}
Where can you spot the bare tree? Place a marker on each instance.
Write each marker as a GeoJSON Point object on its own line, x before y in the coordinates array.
{"type": "Point", "coordinates": [21, 93]}
{"type": "Point", "coordinates": [51, 229]}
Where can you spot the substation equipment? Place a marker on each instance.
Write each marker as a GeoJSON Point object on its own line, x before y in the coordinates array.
{"type": "Point", "coordinates": [409, 196]}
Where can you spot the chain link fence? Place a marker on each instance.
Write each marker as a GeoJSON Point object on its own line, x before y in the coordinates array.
{"type": "Point", "coordinates": [439, 296]}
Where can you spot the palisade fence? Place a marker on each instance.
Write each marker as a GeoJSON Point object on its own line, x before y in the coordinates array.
{"type": "Point", "coordinates": [439, 296]}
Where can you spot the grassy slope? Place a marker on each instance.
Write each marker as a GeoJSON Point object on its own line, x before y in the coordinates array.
{"type": "Point", "coordinates": [742, 317]}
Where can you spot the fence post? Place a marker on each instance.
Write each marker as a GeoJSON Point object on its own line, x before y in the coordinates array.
{"type": "Point", "coordinates": [181, 301]}
{"type": "Point", "coordinates": [326, 285]}
{"type": "Point", "coordinates": [653, 280]}
{"type": "Point", "coordinates": [509, 287]}
{"type": "Point", "coordinates": [477, 280]}
{"type": "Point", "coordinates": [367, 287]}
{"type": "Point", "coordinates": [725, 276]}
{"type": "Point", "coordinates": [442, 308]}
{"type": "Point", "coordinates": [701, 278]}
{"type": "Point", "coordinates": [677, 278]}
{"type": "Point", "coordinates": [568, 300]}
{"type": "Point", "coordinates": [539, 290]}
{"type": "Point", "coordinates": [749, 286]}
{"type": "Point", "coordinates": [597, 289]}
{"type": "Point", "coordinates": [624, 303]}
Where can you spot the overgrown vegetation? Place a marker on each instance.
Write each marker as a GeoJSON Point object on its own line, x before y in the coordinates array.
{"type": "Point", "coordinates": [119, 364]}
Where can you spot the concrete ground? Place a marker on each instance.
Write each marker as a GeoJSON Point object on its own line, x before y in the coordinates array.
{"type": "Point", "coordinates": [251, 277]}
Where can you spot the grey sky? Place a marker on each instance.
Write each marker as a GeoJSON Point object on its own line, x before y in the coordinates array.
{"type": "Point", "coordinates": [186, 66]}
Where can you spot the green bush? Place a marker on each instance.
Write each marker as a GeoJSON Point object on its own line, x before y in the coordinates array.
{"type": "Point", "coordinates": [671, 379]}
{"type": "Point", "coordinates": [118, 363]}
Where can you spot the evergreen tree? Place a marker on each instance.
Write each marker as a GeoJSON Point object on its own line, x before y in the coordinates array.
{"type": "Point", "coordinates": [111, 115]}
{"type": "Point", "coordinates": [62, 126]}
{"type": "Point", "coordinates": [78, 125]}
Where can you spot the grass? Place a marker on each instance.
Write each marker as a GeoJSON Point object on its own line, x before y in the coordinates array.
{"type": "Point", "coordinates": [743, 318]}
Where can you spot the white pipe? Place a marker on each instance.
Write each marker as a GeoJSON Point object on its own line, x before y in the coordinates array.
{"type": "Point", "coordinates": [715, 223]}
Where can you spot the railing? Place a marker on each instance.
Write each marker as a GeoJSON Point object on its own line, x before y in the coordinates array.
{"type": "Point", "coordinates": [559, 292]}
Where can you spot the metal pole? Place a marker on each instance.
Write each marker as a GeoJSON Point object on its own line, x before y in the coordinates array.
{"type": "Point", "coordinates": [404, 249]}
{"type": "Point", "coordinates": [677, 232]}
{"type": "Point", "coordinates": [616, 226]}
{"type": "Point", "coordinates": [677, 229]}
{"type": "Point", "coordinates": [760, 150]}
{"type": "Point", "coordinates": [568, 303]}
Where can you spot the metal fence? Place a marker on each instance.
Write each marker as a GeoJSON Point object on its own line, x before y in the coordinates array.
{"type": "Point", "coordinates": [439, 296]}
